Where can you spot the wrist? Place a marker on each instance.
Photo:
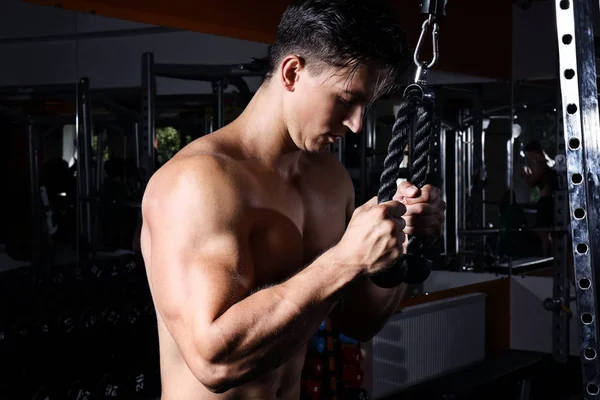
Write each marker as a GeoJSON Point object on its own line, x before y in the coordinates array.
{"type": "Point", "coordinates": [342, 267]}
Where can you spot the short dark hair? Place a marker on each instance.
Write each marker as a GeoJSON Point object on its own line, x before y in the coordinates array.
{"type": "Point", "coordinates": [343, 33]}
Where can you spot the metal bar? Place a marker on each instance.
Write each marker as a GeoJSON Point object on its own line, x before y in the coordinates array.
{"type": "Point", "coordinates": [464, 189]}
{"type": "Point", "coordinates": [444, 174]}
{"type": "Point", "coordinates": [435, 176]}
{"type": "Point", "coordinates": [510, 145]}
{"type": "Point", "coordinates": [84, 159]}
{"type": "Point", "coordinates": [148, 136]}
{"type": "Point", "coordinates": [483, 177]}
{"type": "Point", "coordinates": [457, 190]}
{"type": "Point", "coordinates": [34, 195]}
{"type": "Point", "coordinates": [209, 73]}
{"type": "Point", "coordinates": [89, 35]}
{"type": "Point", "coordinates": [35, 89]}
{"type": "Point", "coordinates": [469, 144]}
{"type": "Point", "coordinates": [477, 166]}
{"type": "Point", "coordinates": [575, 36]}
{"type": "Point", "coordinates": [136, 135]}
{"type": "Point", "coordinates": [492, 231]}
{"type": "Point", "coordinates": [218, 88]}
{"type": "Point", "coordinates": [101, 141]}
{"type": "Point", "coordinates": [561, 282]}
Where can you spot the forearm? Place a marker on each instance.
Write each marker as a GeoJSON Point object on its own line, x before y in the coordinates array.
{"type": "Point", "coordinates": [366, 307]}
{"type": "Point", "coordinates": [266, 329]}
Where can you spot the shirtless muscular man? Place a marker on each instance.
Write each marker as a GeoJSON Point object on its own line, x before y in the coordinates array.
{"type": "Point", "coordinates": [250, 236]}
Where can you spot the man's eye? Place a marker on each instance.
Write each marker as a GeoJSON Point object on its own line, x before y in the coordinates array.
{"type": "Point", "coordinates": [345, 102]}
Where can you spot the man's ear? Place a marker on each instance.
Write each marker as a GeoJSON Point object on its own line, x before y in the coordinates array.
{"type": "Point", "coordinates": [290, 71]}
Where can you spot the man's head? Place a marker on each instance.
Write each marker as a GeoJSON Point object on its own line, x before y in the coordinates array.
{"type": "Point", "coordinates": [330, 61]}
{"type": "Point", "coordinates": [538, 171]}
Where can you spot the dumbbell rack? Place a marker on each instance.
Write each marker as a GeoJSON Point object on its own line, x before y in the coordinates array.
{"type": "Point", "coordinates": [332, 367]}
{"type": "Point", "coordinates": [577, 71]}
{"type": "Point", "coordinates": [79, 332]}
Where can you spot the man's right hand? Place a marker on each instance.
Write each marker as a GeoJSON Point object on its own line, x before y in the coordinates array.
{"type": "Point", "coordinates": [374, 237]}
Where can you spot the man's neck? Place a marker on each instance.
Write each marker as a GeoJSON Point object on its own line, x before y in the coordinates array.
{"type": "Point", "coordinates": [262, 132]}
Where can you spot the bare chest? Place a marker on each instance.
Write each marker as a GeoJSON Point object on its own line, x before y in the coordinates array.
{"type": "Point", "coordinates": [294, 225]}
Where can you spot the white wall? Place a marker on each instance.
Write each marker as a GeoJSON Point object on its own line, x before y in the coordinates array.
{"type": "Point", "coordinates": [530, 322]}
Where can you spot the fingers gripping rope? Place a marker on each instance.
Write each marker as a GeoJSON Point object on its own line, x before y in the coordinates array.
{"type": "Point", "coordinates": [415, 118]}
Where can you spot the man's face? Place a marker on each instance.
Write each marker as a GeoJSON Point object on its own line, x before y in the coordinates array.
{"type": "Point", "coordinates": [536, 164]}
{"type": "Point", "coordinates": [322, 108]}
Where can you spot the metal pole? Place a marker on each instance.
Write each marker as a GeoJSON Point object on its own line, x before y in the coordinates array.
{"type": "Point", "coordinates": [136, 131]}
{"type": "Point", "coordinates": [458, 171]}
{"type": "Point", "coordinates": [34, 194]}
{"type": "Point", "coordinates": [444, 174]}
{"type": "Point", "coordinates": [218, 88]}
{"type": "Point", "coordinates": [483, 177]}
{"type": "Point", "coordinates": [208, 122]}
{"type": "Point", "coordinates": [84, 159]}
{"type": "Point", "coordinates": [100, 159]}
{"type": "Point", "coordinates": [575, 37]}
{"type": "Point", "coordinates": [476, 200]}
{"type": "Point", "coordinates": [465, 182]}
{"type": "Point", "coordinates": [148, 136]}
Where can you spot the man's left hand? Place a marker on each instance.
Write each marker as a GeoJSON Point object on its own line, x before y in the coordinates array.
{"type": "Point", "coordinates": [425, 210]}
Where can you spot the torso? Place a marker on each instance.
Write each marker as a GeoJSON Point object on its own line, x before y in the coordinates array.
{"type": "Point", "coordinates": [293, 220]}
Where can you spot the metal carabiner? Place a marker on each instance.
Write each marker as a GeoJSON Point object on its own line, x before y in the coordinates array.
{"type": "Point", "coordinates": [421, 65]}
{"type": "Point", "coordinates": [428, 22]}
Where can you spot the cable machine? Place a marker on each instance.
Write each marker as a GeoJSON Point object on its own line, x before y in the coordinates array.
{"type": "Point", "coordinates": [221, 76]}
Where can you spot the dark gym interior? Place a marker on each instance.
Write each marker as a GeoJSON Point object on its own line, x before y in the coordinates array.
{"type": "Point", "coordinates": [96, 96]}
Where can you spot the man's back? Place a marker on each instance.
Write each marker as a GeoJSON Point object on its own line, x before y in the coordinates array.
{"type": "Point", "coordinates": [251, 227]}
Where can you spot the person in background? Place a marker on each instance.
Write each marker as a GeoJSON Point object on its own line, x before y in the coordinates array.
{"type": "Point", "coordinates": [538, 174]}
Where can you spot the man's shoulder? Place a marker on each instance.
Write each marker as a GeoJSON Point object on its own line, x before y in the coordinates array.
{"type": "Point", "coordinates": [200, 177]}
{"type": "Point", "coordinates": [199, 167]}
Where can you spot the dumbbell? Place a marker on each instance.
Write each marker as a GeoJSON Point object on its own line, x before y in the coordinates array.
{"type": "Point", "coordinates": [323, 326]}
{"type": "Point", "coordinates": [312, 389]}
{"type": "Point", "coordinates": [352, 376]}
{"type": "Point", "coordinates": [144, 382]}
{"type": "Point", "coordinates": [83, 388]}
{"type": "Point", "coordinates": [317, 344]}
{"type": "Point", "coordinates": [111, 317]}
{"type": "Point", "coordinates": [348, 340]}
{"type": "Point", "coordinates": [113, 385]}
{"type": "Point", "coordinates": [87, 372]}
{"type": "Point", "coordinates": [314, 367]}
{"type": "Point", "coordinates": [352, 354]}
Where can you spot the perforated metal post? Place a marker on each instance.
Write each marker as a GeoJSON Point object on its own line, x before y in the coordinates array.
{"type": "Point", "coordinates": [575, 34]}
